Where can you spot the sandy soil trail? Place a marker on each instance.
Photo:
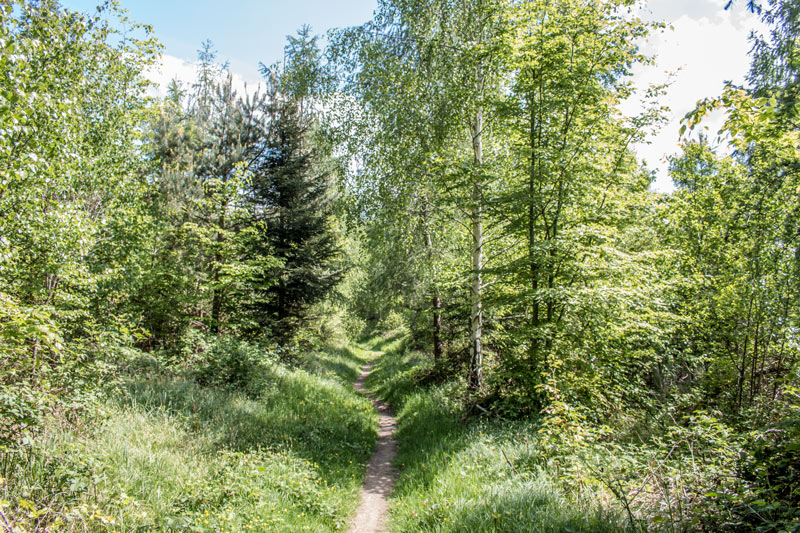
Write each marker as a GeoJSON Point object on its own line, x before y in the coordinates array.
{"type": "Point", "coordinates": [370, 516]}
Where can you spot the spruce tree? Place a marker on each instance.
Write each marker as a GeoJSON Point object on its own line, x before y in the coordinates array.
{"type": "Point", "coordinates": [292, 199]}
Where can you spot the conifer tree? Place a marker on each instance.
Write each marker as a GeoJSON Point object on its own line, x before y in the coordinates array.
{"type": "Point", "coordinates": [292, 201]}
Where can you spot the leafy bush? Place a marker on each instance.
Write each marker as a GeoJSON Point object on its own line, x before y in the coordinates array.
{"type": "Point", "coordinates": [393, 321]}
{"type": "Point", "coordinates": [231, 363]}
{"type": "Point", "coordinates": [772, 471]}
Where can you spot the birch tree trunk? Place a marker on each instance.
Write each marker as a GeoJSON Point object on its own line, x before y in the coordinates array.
{"type": "Point", "coordinates": [476, 215]}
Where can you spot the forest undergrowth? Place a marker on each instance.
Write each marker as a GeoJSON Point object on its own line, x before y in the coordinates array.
{"type": "Point", "coordinates": [284, 451]}
{"type": "Point", "coordinates": [465, 469]}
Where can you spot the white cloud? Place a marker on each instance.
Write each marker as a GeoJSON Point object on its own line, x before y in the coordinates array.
{"type": "Point", "coordinates": [171, 67]}
{"type": "Point", "coordinates": [706, 47]}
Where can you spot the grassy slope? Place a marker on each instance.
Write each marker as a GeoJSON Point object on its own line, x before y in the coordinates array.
{"type": "Point", "coordinates": [176, 456]}
{"type": "Point", "coordinates": [454, 475]}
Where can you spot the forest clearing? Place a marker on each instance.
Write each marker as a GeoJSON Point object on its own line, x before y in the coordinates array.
{"type": "Point", "coordinates": [417, 278]}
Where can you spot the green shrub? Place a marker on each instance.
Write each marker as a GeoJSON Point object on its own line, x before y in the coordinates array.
{"type": "Point", "coordinates": [772, 471]}
{"type": "Point", "coordinates": [231, 363]}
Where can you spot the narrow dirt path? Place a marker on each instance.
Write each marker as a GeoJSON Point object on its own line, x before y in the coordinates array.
{"type": "Point", "coordinates": [370, 516]}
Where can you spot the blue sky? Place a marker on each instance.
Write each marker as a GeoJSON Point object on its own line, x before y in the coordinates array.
{"type": "Point", "coordinates": [243, 31]}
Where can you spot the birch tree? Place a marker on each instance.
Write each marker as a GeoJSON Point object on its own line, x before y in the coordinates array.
{"type": "Point", "coordinates": [450, 49]}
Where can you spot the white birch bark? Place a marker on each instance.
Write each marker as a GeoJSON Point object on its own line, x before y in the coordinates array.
{"type": "Point", "coordinates": [476, 329]}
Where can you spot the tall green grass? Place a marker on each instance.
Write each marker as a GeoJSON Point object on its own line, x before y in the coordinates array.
{"type": "Point", "coordinates": [471, 475]}
{"type": "Point", "coordinates": [286, 455]}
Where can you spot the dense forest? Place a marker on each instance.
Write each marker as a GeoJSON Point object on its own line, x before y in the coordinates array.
{"type": "Point", "coordinates": [190, 285]}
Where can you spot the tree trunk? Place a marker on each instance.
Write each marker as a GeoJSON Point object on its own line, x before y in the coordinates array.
{"type": "Point", "coordinates": [437, 327]}
{"type": "Point", "coordinates": [35, 358]}
{"type": "Point", "coordinates": [216, 293]}
{"type": "Point", "coordinates": [533, 355]}
{"type": "Point", "coordinates": [436, 306]}
{"type": "Point", "coordinates": [476, 326]}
